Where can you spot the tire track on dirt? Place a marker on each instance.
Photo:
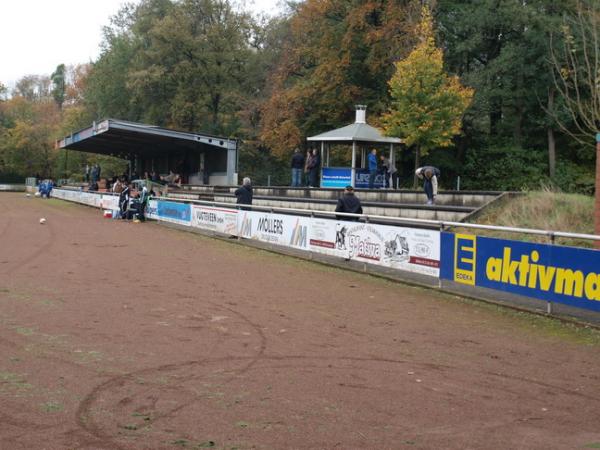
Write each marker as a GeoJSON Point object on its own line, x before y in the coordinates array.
{"type": "Point", "coordinates": [281, 362]}
{"type": "Point", "coordinates": [84, 411]}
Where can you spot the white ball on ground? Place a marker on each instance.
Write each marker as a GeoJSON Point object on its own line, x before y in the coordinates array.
{"type": "Point", "coordinates": [37, 194]}
{"type": "Point", "coordinates": [42, 221]}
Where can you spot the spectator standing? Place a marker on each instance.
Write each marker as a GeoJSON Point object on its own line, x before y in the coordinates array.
{"type": "Point", "coordinates": [297, 168]}
{"type": "Point", "coordinates": [244, 193]}
{"type": "Point", "coordinates": [429, 175]}
{"type": "Point", "coordinates": [348, 203]}
{"type": "Point", "coordinates": [315, 165]}
{"type": "Point", "coordinates": [93, 174]}
{"type": "Point", "coordinates": [86, 172]}
{"type": "Point", "coordinates": [372, 168]}
{"type": "Point", "coordinates": [306, 167]}
{"type": "Point", "coordinates": [391, 173]}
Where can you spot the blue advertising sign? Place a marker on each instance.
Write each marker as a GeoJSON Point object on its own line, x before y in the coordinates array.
{"type": "Point", "coordinates": [336, 177]}
{"type": "Point", "coordinates": [361, 179]}
{"type": "Point", "coordinates": [174, 212]}
{"type": "Point", "coordinates": [548, 272]}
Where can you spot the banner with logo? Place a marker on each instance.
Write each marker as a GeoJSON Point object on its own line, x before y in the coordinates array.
{"type": "Point", "coordinates": [174, 212]}
{"type": "Point", "coordinates": [220, 220]}
{"type": "Point", "coordinates": [280, 229]}
{"type": "Point", "coordinates": [152, 210]}
{"type": "Point", "coordinates": [361, 179]}
{"type": "Point", "coordinates": [409, 249]}
{"type": "Point", "coordinates": [548, 272]}
{"type": "Point", "coordinates": [110, 202]}
{"type": "Point", "coordinates": [336, 177]}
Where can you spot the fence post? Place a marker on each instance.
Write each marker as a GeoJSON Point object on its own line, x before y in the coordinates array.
{"type": "Point", "coordinates": [269, 180]}
{"type": "Point", "coordinates": [548, 302]}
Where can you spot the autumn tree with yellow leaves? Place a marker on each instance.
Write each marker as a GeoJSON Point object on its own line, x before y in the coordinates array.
{"type": "Point", "coordinates": [427, 104]}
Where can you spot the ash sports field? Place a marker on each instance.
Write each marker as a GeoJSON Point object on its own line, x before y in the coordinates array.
{"type": "Point", "coordinates": [117, 335]}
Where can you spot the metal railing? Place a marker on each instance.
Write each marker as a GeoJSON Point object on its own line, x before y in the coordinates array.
{"type": "Point", "coordinates": [440, 224]}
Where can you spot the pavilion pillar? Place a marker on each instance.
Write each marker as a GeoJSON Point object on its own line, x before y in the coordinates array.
{"type": "Point", "coordinates": [353, 171]}
{"type": "Point", "coordinates": [322, 161]}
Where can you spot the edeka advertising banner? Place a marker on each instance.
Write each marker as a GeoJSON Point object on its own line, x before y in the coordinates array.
{"type": "Point", "coordinates": [280, 229]}
{"type": "Point", "coordinates": [408, 249]}
{"type": "Point", "coordinates": [548, 272]}
{"type": "Point", "coordinates": [220, 220]}
{"type": "Point", "coordinates": [179, 213]}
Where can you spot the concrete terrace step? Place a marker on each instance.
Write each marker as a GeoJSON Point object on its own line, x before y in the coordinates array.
{"type": "Point", "coordinates": [454, 198]}
{"type": "Point", "coordinates": [413, 211]}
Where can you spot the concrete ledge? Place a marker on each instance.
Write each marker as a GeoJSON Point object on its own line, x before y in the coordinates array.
{"type": "Point", "coordinates": [12, 187]}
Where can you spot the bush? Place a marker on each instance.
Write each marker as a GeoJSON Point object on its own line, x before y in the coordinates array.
{"type": "Point", "coordinates": [574, 178]}
{"type": "Point", "coordinates": [505, 168]}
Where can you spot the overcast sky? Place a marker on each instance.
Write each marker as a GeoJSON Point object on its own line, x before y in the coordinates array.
{"type": "Point", "coordinates": [38, 35]}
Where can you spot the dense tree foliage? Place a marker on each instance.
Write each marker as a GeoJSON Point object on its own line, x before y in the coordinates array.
{"type": "Point", "coordinates": [427, 105]}
{"type": "Point", "coordinates": [204, 65]}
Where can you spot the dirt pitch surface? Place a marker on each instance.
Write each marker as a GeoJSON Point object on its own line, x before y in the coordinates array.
{"type": "Point", "coordinates": [117, 335]}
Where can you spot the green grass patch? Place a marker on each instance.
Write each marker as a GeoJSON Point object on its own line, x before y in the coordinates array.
{"type": "Point", "coordinates": [542, 210]}
{"type": "Point", "coordinates": [13, 382]}
{"type": "Point", "coordinates": [52, 407]}
{"type": "Point", "coordinates": [25, 331]}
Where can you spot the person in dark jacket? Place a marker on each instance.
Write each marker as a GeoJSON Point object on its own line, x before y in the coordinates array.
{"type": "Point", "coordinates": [297, 168]}
{"type": "Point", "coordinates": [348, 203]}
{"type": "Point", "coordinates": [244, 193]}
{"type": "Point", "coordinates": [313, 167]}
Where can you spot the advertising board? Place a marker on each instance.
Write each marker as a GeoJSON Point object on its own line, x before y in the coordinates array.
{"type": "Point", "coordinates": [152, 210]}
{"type": "Point", "coordinates": [361, 179]}
{"type": "Point", "coordinates": [220, 220]}
{"type": "Point", "coordinates": [412, 250]}
{"type": "Point", "coordinates": [336, 177]}
{"type": "Point", "coordinates": [554, 273]}
{"type": "Point", "coordinates": [179, 213]}
{"type": "Point", "coordinates": [280, 229]}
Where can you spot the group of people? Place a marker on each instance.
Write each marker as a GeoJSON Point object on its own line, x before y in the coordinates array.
{"type": "Point", "coordinates": [308, 166]}
{"type": "Point", "coordinates": [131, 206]}
{"type": "Point", "coordinates": [390, 179]}
{"type": "Point", "coordinates": [45, 188]}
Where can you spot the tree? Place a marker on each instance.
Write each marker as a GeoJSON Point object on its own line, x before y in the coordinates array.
{"type": "Point", "coordinates": [338, 53]}
{"type": "Point", "coordinates": [500, 48]}
{"type": "Point", "coordinates": [193, 66]}
{"type": "Point", "coordinates": [576, 63]}
{"type": "Point", "coordinates": [59, 85]}
{"type": "Point", "coordinates": [427, 104]}
{"type": "Point", "coordinates": [577, 80]}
